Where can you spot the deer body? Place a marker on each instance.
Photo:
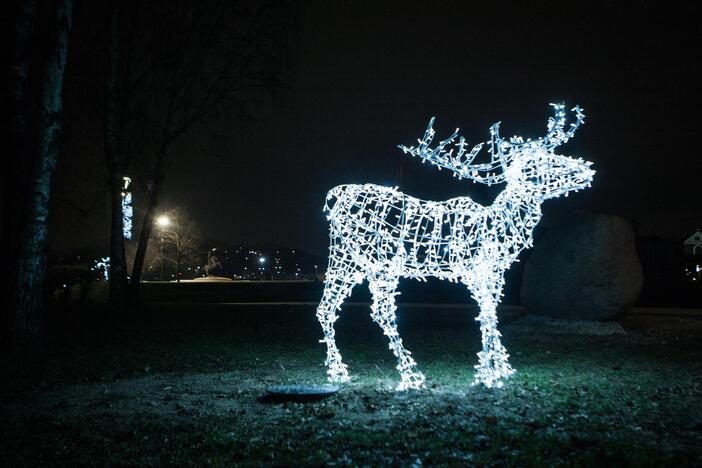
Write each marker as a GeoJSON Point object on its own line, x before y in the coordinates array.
{"type": "Point", "coordinates": [454, 227]}
{"type": "Point", "coordinates": [380, 235]}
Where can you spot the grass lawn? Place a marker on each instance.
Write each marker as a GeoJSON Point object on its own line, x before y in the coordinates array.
{"type": "Point", "coordinates": [182, 384]}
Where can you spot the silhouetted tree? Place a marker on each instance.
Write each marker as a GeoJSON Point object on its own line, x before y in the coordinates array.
{"type": "Point", "coordinates": [116, 168]}
{"type": "Point", "coordinates": [121, 89]}
{"type": "Point", "coordinates": [15, 176]}
{"type": "Point", "coordinates": [206, 58]}
{"type": "Point", "coordinates": [180, 241]}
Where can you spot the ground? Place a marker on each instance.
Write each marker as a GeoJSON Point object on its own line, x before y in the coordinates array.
{"type": "Point", "coordinates": [183, 384]}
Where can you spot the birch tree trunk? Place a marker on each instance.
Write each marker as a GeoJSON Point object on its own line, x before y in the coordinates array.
{"type": "Point", "coordinates": [31, 265]}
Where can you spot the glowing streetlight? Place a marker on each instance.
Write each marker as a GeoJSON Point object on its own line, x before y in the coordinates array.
{"type": "Point", "coordinates": [163, 221]}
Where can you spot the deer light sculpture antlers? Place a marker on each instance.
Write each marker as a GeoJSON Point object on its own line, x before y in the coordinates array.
{"type": "Point", "coordinates": [380, 235]}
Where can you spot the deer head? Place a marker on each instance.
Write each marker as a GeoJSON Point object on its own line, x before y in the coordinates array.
{"type": "Point", "coordinates": [532, 164]}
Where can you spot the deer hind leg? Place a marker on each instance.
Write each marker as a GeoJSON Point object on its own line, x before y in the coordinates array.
{"type": "Point", "coordinates": [493, 366]}
{"type": "Point", "coordinates": [383, 313]}
{"type": "Point", "coordinates": [337, 287]}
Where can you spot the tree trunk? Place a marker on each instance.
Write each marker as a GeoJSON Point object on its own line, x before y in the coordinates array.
{"type": "Point", "coordinates": [15, 178]}
{"type": "Point", "coordinates": [31, 263]}
{"type": "Point", "coordinates": [144, 236]}
{"type": "Point", "coordinates": [115, 164]}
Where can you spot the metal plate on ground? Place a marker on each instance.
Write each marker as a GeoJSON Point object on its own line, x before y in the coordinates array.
{"type": "Point", "coordinates": [300, 393]}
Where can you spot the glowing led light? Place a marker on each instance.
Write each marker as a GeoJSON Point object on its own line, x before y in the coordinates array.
{"type": "Point", "coordinates": [380, 235]}
{"type": "Point", "coordinates": [103, 266]}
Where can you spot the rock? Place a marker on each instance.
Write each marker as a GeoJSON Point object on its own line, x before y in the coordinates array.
{"type": "Point", "coordinates": [586, 269]}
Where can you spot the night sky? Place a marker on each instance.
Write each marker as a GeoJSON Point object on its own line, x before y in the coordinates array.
{"type": "Point", "coordinates": [367, 76]}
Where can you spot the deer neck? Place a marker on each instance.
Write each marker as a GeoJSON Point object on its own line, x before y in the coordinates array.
{"type": "Point", "coordinates": [518, 206]}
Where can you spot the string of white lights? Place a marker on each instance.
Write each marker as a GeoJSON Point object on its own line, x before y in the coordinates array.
{"type": "Point", "coordinates": [127, 209]}
{"type": "Point", "coordinates": [103, 266]}
{"type": "Point", "coordinates": [379, 234]}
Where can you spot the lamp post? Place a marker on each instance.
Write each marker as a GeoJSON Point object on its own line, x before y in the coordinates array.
{"type": "Point", "coordinates": [163, 222]}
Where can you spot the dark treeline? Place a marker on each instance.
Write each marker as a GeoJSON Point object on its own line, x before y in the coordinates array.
{"type": "Point", "coordinates": [140, 79]}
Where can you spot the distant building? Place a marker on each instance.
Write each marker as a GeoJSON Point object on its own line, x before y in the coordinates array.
{"type": "Point", "coordinates": [264, 262]}
{"type": "Point", "coordinates": [693, 244]}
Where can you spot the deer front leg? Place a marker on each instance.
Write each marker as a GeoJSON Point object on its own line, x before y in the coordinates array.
{"type": "Point", "coordinates": [493, 365]}
{"type": "Point", "coordinates": [336, 289]}
{"type": "Point", "coordinates": [383, 313]}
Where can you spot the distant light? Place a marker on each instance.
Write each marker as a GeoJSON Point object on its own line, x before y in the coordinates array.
{"type": "Point", "coordinates": [262, 260]}
{"type": "Point", "coordinates": [163, 221]}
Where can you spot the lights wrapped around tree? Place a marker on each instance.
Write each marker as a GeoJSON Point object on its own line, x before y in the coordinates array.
{"type": "Point", "coordinates": [379, 234]}
{"type": "Point", "coordinates": [127, 210]}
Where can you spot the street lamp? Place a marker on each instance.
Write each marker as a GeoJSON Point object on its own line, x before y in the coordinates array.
{"type": "Point", "coordinates": [163, 221]}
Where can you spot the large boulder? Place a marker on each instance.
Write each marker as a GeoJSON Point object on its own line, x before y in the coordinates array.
{"type": "Point", "coordinates": [586, 269]}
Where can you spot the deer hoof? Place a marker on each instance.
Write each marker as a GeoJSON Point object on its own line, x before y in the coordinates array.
{"type": "Point", "coordinates": [412, 381]}
{"type": "Point", "coordinates": [338, 375]}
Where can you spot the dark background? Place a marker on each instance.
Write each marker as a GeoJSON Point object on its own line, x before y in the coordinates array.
{"type": "Point", "coordinates": [367, 76]}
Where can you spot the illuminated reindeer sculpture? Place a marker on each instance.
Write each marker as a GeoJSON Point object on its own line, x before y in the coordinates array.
{"type": "Point", "coordinates": [381, 235]}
